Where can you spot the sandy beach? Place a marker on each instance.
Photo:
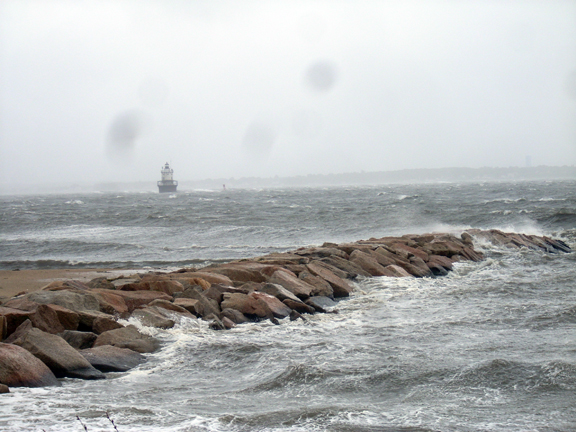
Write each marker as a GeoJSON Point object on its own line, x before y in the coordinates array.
{"type": "Point", "coordinates": [13, 282]}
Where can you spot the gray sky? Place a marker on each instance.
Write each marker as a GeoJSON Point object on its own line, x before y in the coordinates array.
{"type": "Point", "coordinates": [98, 91]}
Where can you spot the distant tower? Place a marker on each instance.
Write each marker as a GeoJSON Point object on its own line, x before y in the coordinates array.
{"type": "Point", "coordinates": [167, 184]}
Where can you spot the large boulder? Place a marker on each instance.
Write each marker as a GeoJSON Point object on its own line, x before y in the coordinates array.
{"type": "Point", "coordinates": [279, 309]}
{"type": "Point", "coordinates": [96, 321]}
{"type": "Point", "coordinates": [288, 280]}
{"type": "Point", "coordinates": [209, 306]}
{"type": "Point", "coordinates": [13, 318]}
{"type": "Point", "coordinates": [152, 316]}
{"type": "Point", "coordinates": [234, 316]}
{"type": "Point", "coordinates": [74, 301]}
{"type": "Point", "coordinates": [169, 287]}
{"type": "Point", "coordinates": [396, 271]}
{"type": "Point", "coordinates": [19, 368]}
{"type": "Point", "coordinates": [191, 305]}
{"type": "Point", "coordinates": [340, 286]}
{"type": "Point", "coordinates": [247, 304]}
{"type": "Point", "coordinates": [320, 286]}
{"type": "Point", "coordinates": [108, 358]}
{"type": "Point", "coordinates": [54, 352]}
{"type": "Point", "coordinates": [128, 337]}
{"type": "Point", "coordinates": [110, 302]}
{"type": "Point", "coordinates": [277, 291]}
{"type": "Point", "coordinates": [240, 271]}
{"type": "Point", "coordinates": [367, 262]}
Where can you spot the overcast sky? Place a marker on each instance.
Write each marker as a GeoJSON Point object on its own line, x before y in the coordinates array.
{"type": "Point", "coordinates": [98, 91]}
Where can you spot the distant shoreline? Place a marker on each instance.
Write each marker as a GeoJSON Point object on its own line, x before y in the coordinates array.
{"type": "Point", "coordinates": [374, 178]}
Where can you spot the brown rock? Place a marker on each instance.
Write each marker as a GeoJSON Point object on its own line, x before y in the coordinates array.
{"type": "Point", "coordinates": [3, 328]}
{"type": "Point", "coordinates": [247, 305]}
{"type": "Point", "coordinates": [165, 304]}
{"type": "Point", "coordinates": [209, 306]}
{"type": "Point", "coordinates": [128, 337]}
{"type": "Point", "coordinates": [279, 309]}
{"type": "Point", "coordinates": [13, 318]}
{"type": "Point", "coordinates": [340, 286]}
{"type": "Point", "coordinates": [240, 272]}
{"type": "Point", "coordinates": [191, 305]}
{"type": "Point", "coordinates": [105, 323]}
{"type": "Point", "coordinates": [320, 286]}
{"type": "Point", "coordinates": [407, 252]}
{"type": "Point", "coordinates": [228, 323]}
{"type": "Point", "coordinates": [277, 291]}
{"type": "Point", "coordinates": [111, 302]}
{"type": "Point", "coordinates": [442, 261]}
{"type": "Point", "coordinates": [135, 299]}
{"type": "Point", "coordinates": [386, 258]}
{"type": "Point", "coordinates": [211, 278]}
{"type": "Point", "coordinates": [88, 320]}
{"type": "Point", "coordinates": [54, 352]}
{"type": "Point", "coordinates": [19, 368]}
{"type": "Point", "coordinates": [367, 262]}
{"type": "Point", "coordinates": [101, 282]}
{"type": "Point", "coordinates": [216, 291]}
{"type": "Point", "coordinates": [46, 319]}
{"type": "Point", "coordinates": [4, 389]}
{"type": "Point", "coordinates": [396, 271]}
{"type": "Point", "coordinates": [351, 247]}
{"type": "Point", "coordinates": [299, 306]}
{"type": "Point", "coordinates": [233, 315]}
{"type": "Point", "coordinates": [289, 281]}
{"type": "Point", "coordinates": [351, 269]}
{"type": "Point", "coordinates": [322, 252]}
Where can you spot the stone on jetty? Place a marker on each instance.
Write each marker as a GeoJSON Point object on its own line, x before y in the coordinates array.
{"type": "Point", "coordinates": [128, 337]}
{"type": "Point", "coordinates": [108, 358]}
{"type": "Point", "coordinates": [290, 281]}
{"type": "Point", "coordinates": [79, 339]}
{"type": "Point", "coordinates": [54, 352]}
{"type": "Point", "coordinates": [19, 368]}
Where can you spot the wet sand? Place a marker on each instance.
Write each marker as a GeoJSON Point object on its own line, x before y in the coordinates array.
{"type": "Point", "coordinates": [13, 282]}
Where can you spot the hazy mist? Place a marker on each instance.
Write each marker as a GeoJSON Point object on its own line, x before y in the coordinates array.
{"type": "Point", "coordinates": [104, 91]}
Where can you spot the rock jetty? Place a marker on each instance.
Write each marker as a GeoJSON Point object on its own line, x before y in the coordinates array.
{"type": "Point", "coordinates": [73, 329]}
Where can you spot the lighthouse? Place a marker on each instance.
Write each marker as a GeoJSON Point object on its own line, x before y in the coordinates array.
{"type": "Point", "coordinates": [167, 184]}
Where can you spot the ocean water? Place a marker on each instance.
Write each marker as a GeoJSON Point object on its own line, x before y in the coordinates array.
{"type": "Point", "coordinates": [491, 347]}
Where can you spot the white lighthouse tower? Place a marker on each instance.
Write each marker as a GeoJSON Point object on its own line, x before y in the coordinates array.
{"type": "Point", "coordinates": [167, 184]}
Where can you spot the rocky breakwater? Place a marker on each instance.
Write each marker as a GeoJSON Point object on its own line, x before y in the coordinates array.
{"type": "Point", "coordinates": [74, 329]}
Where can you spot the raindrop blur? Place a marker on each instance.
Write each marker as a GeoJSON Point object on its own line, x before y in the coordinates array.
{"type": "Point", "coordinates": [321, 76]}
{"type": "Point", "coordinates": [124, 130]}
{"type": "Point", "coordinates": [259, 139]}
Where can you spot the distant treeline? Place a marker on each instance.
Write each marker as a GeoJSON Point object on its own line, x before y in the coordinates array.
{"type": "Point", "coordinates": [431, 175]}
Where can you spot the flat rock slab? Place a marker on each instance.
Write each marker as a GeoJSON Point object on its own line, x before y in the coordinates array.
{"type": "Point", "coordinates": [108, 358]}
{"type": "Point", "coordinates": [19, 368]}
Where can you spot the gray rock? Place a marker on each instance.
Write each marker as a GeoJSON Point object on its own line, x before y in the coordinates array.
{"type": "Point", "coordinates": [128, 337]}
{"type": "Point", "coordinates": [79, 340]}
{"type": "Point", "coordinates": [54, 352]}
{"type": "Point", "coordinates": [108, 358]}
{"type": "Point", "coordinates": [321, 304]}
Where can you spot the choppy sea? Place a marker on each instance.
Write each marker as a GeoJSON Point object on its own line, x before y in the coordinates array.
{"type": "Point", "coordinates": [491, 347]}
